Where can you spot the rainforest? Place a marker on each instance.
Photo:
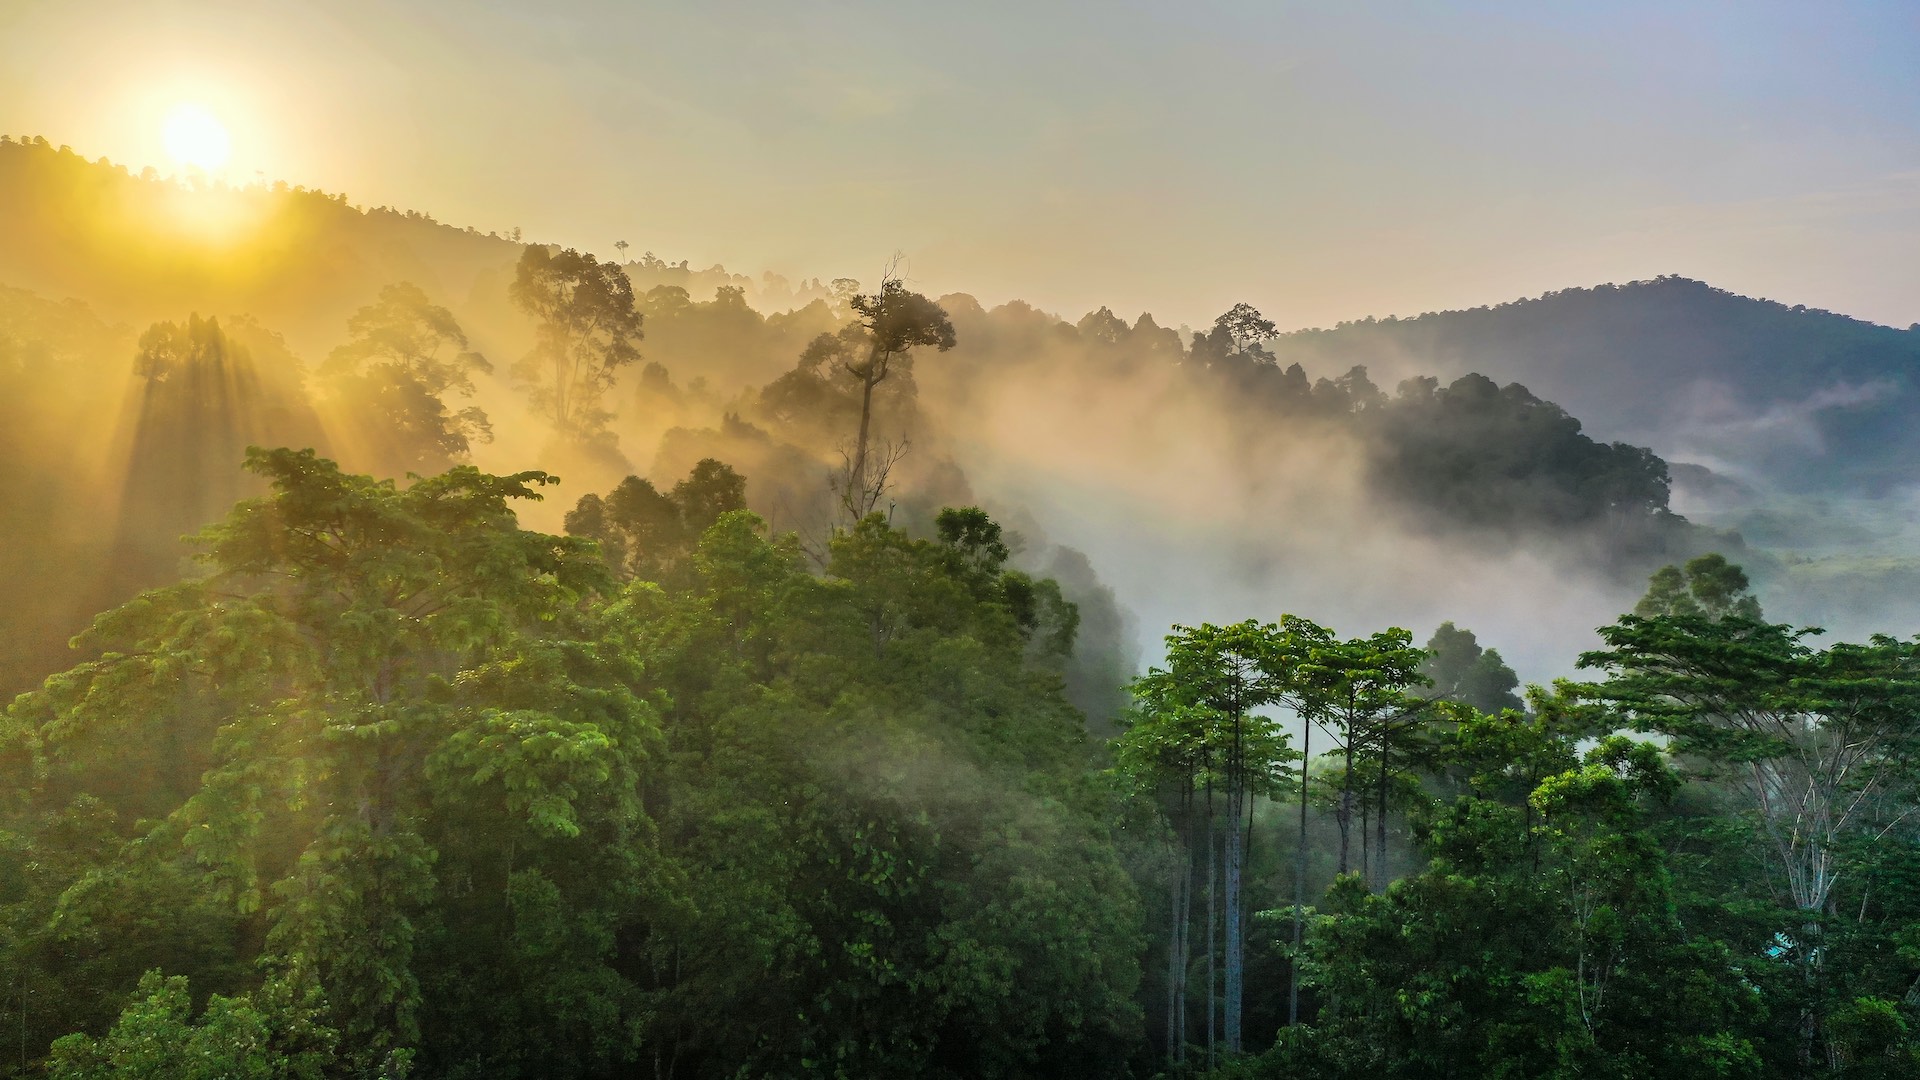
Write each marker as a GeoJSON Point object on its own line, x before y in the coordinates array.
{"type": "Point", "coordinates": [438, 651]}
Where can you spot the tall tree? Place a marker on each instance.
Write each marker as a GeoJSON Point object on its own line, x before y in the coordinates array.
{"type": "Point", "coordinates": [404, 356]}
{"type": "Point", "coordinates": [1811, 739]}
{"type": "Point", "coordinates": [1162, 755]}
{"type": "Point", "coordinates": [587, 330]}
{"type": "Point", "coordinates": [1220, 678]}
{"type": "Point", "coordinates": [1362, 690]}
{"type": "Point", "coordinates": [889, 325]}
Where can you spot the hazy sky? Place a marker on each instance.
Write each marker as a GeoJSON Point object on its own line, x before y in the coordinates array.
{"type": "Point", "coordinates": [1323, 161]}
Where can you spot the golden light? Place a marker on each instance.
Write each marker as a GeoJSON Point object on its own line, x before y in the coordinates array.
{"type": "Point", "coordinates": [195, 139]}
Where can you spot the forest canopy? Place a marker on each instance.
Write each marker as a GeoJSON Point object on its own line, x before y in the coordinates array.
{"type": "Point", "coordinates": [432, 654]}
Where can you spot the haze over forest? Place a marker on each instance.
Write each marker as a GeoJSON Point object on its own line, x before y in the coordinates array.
{"type": "Point", "coordinates": [440, 650]}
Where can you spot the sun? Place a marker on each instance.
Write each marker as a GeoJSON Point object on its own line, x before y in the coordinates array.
{"type": "Point", "coordinates": [195, 139]}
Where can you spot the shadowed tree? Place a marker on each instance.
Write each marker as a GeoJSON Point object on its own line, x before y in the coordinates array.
{"type": "Point", "coordinates": [889, 325]}
{"type": "Point", "coordinates": [643, 533]}
{"type": "Point", "coordinates": [1462, 671]}
{"type": "Point", "coordinates": [406, 353]}
{"type": "Point", "coordinates": [587, 330]}
{"type": "Point", "coordinates": [1236, 343]}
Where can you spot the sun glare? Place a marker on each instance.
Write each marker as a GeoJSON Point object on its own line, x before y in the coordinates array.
{"type": "Point", "coordinates": [195, 139]}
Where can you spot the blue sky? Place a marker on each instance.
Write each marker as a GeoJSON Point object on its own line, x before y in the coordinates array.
{"type": "Point", "coordinates": [1323, 161]}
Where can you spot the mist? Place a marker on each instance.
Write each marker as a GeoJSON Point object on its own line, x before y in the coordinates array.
{"type": "Point", "coordinates": [440, 649]}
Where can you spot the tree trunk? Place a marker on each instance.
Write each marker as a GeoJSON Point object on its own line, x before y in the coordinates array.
{"type": "Point", "coordinates": [1236, 792]}
{"type": "Point", "coordinates": [1366, 841]}
{"type": "Point", "coordinates": [1299, 879]}
{"type": "Point", "coordinates": [1380, 822]}
{"type": "Point", "coordinates": [1187, 915]}
{"type": "Point", "coordinates": [1181, 879]}
{"type": "Point", "coordinates": [1343, 815]}
{"type": "Point", "coordinates": [1212, 875]}
{"type": "Point", "coordinates": [857, 482]}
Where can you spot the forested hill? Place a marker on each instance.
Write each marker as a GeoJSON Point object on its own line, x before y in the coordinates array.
{"type": "Point", "coordinates": [1798, 396]}
{"type": "Point", "coordinates": [139, 248]}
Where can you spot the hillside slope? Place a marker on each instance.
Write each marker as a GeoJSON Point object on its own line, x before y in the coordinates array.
{"type": "Point", "coordinates": [1792, 397]}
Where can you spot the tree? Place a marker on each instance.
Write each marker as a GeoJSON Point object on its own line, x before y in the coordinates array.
{"type": "Point", "coordinates": [1236, 345]}
{"type": "Point", "coordinates": [1207, 701]}
{"type": "Point", "coordinates": [404, 355]}
{"type": "Point", "coordinates": [1809, 739]}
{"type": "Point", "coordinates": [889, 325]}
{"type": "Point", "coordinates": [388, 731]}
{"type": "Point", "coordinates": [1708, 587]}
{"type": "Point", "coordinates": [875, 790]}
{"type": "Point", "coordinates": [278, 1034]}
{"type": "Point", "coordinates": [201, 401]}
{"type": "Point", "coordinates": [1812, 748]}
{"type": "Point", "coordinates": [588, 329]}
{"type": "Point", "coordinates": [1161, 755]}
{"type": "Point", "coordinates": [1362, 689]}
{"type": "Point", "coordinates": [643, 534]}
{"type": "Point", "coordinates": [1462, 671]}
{"type": "Point", "coordinates": [1492, 962]}
{"type": "Point", "coordinates": [1245, 327]}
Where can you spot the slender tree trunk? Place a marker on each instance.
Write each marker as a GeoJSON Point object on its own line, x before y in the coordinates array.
{"type": "Point", "coordinates": [1344, 815]}
{"type": "Point", "coordinates": [1299, 879]}
{"type": "Point", "coordinates": [1236, 792]}
{"type": "Point", "coordinates": [1213, 982]}
{"type": "Point", "coordinates": [1176, 928]}
{"type": "Point", "coordinates": [857, 482]}
{"type": "Point", "coordinates": [1380, 822]}
{"type": "Point", "coordinates": [1366, 841]}
{"type": "Point", "coordinates": [1185, 917]}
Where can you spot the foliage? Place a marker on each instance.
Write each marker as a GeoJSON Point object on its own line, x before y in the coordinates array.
{"type": "Point", "coordinates": [644, 534]}
{"type": "Point", "coordinates": [278, 1034]}
{"type": "Point", "coordinates": [587, 329]}
{"type": "Point", "coordinates": [405, 355]}
{"type": "Point", "coordinates": [1709, 587]}
{"type": "Point", "coordinates": [1464, 672]}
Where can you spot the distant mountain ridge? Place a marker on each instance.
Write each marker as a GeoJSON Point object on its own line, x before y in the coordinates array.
{"type": "Point", "coordinates": [1792, 396]}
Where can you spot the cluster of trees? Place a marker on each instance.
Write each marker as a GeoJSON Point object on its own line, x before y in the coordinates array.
{"type": "Point", "coordinates": [409, 788]}
{"type": "Point", "coordinates": [1468, 455]}
{"type": "Point", "coordinates": [1731, 900]}
{"type": "Point", "coordinates": [396, 787]}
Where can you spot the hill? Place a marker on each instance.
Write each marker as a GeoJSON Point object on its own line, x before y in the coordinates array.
{"type": "Point", "coordinates": [1791, 397]}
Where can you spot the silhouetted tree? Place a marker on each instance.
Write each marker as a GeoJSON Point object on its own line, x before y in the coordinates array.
{"type": "Point", "coordinates": [1462, 671]}
{"type": "Point", "coordinates": [587, 330]}
{"type": "Point", "coordinates": [405, 354]}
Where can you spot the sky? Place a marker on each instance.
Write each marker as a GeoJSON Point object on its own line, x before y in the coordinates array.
{"type": "Point", "coordinates": [1322, 161]}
